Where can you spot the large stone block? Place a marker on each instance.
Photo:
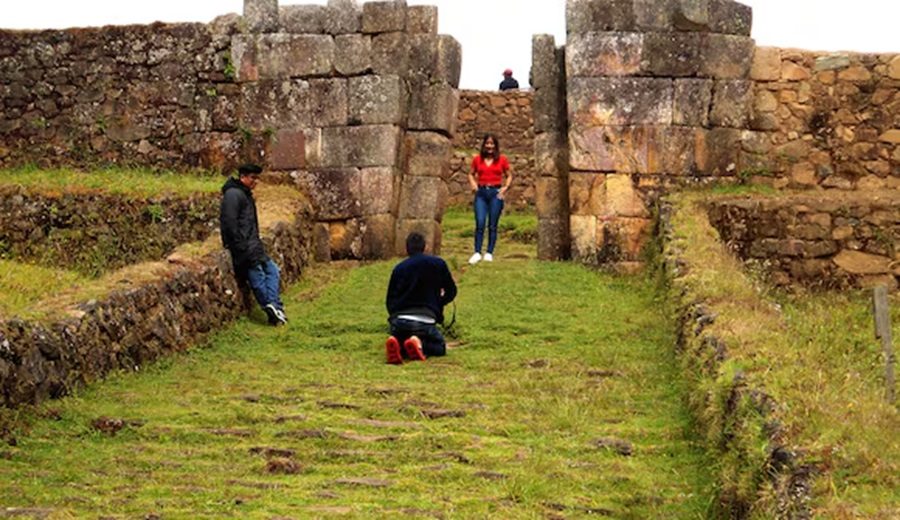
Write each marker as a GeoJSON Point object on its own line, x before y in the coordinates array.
{"type": "Point", "coordinates": [352, 54]}
{"type": "Point", "coordinates": [655, 15]}
{"type": "Point", "coordinates": [550, 153]}
{"type": "Point", "coordinates": [378, 239]}
{"type": "Point", "coordinates": [390, 53]}
{"type": "Point", "coordinates": [730, 17]}
{"type": "Point", "coordinates": [378, 190]}
{"type": "Point", "coordinates": [343, 17]}
{"type": "Point", "coordinates": [549, 110]}
{"type": "Point", "coordinates": [552, 197]}
{"type": "Point", "coordinates": [731, 103]}
{"type": "Point", "coordinates": [429, 228]}
{"type": "Point", "coordinates": [604, 54]}
{"type": "Point", "coordinates": [545, 72]}
{"type": "Point", "coordinates": [673, 151]}
{"type": "Point", "coordinates": [335, 194]}
{"type": "Point", "coordinates": [345, 239]}
{"type": "Point", "coordinates": [725, 56]}
{"type": "Point", "coordinates": [631, 236]}
{"type": "Point", "coordinates": [599, 16]}
{"type": "Point", "coordinates": [261, 16]}
{"type": "Point", "coordinates": [422, 198]}
{"type": "Point", "coordinates": [302, 19]}
{"type": "Point", "coordinates": [360, 146]}
{"type": "Point", "coordinates": [691, 15]}
{"type": "Point", "coordinates": [293, 104]}
{"type": "Point", "coordinates": [553, 238]}
{"type": "Point", "coordinates": [384, 16]}
{"type": "Point", "coordinates": [587, 193]}
{"type": "Point", "coordinates": [244, 55]}
{"type": "Point", "coordinates": [584, 238]}
{"type": "Point", "coordinates": [281, 56]}
{"type": "Point", "coordinates": [622, 199]}
{"type": "Point", "coordinates": [619, 101]}
{"type": "Point", "coordinates": [422, 19]}
{"type": "Point", "coordinates": [427, 154]}
{"type": "Point", "coordinates": [433, 107]}
{"type": "Point", "coordinates": [717, 151]}
{"type": "Point", "coordinates": [692, 99]}
{"type": "Point", "coordinates": [610, 148]}
{"type": "Point", "coordinates": [671, 54]}
{"type": "Point", "coordinates": [377, 99]}
{"type": "Point", "coordinates": [288, 150]}
{"type": "Point", "coordinates": [766, 64]}
{"type": "Point", "coordinates": [435, 58]}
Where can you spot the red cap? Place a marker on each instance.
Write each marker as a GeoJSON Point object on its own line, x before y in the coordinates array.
{"type": "Point", "coordinates": [507, 72]}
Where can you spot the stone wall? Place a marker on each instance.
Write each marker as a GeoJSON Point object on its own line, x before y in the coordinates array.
{"type": "Point", "coordinates": [824, 120]}
{"type": "Point", "coordinates": [822, 241]}
{"type": "Point", "coordinates": [94, 232]}
{"type": "Point", "coordinates": [508, 115]}
{"type": "Point", "coordinates": [138, 323]}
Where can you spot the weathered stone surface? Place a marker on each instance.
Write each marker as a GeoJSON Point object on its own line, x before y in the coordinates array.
{"type": "Point", "coordinates": [631, 235]}
{"type": "Point", "coordinates": [671, 54]}
{"type": "Point", "coordinates": [345, 239]}
{"type": "Point", "coordinates": [429, 228]}
{"type": "Point", "coordinates": [335, 194]}
{"type": "Point", "coordinates": [765, 101]}
{"type": "Point", "coordinates": [894, 68]}
{"type": "Point", "coordinates": [584, 238]}
{"type": "Point", "coordinates": [672, 151]}
{"type": "Point", "coordinates": [717, 151]}
{"type": "Point", "coordinates": [731, 103]}
{"type": "Point", "coordinates": [422, 19]}
{"type": "Point", "coordinates": [422, 198]}
{"type": "Point", "coordinates": [427, 154]}
{"type": "Point", "coordinates": [435, 58]}
{"type": "Point", "coordinates": [726, 57]}
{"type": "Point", "coordinates": [377, 99]}
{"type": "Point", "coordinates": [692, 15]}
{"type": "Point", "coordinates": [302, 19]}
{"type": "Point", "coordinates": [587, 193]}
{"type": "Point", "coordinates": [730, 17]}
{"type": "Point", "coordinates": [599, 15]}
{"type": "Point", "coordinates": [832, 62]}
{"type": "Point", "coordinates": [378, 236]}
{"type": "Point", "coordinates": [390, 53]}
{"type": "Point", "coordinates": [343, 17]}
{"type": "Point", "coordinates": [891, 136]}
{"type": "Point", "coordinates": [544, 70]}
{"type": "Point", "coordinates": [856, 262]}
{"type": "Point", "coordinates": [549, 108]}
{"type": "Point", "coordinates": [550, 154]}
{"type": "Point", "coordinates": [553, 238]}
{"type": "Point", "coordinates": [622, 199]}
{"type": "Point", "coordinates": [607, 148]}
{"type": "Point", "coordinates": [352, 54]}
{"type": "Point", "coordinates": [280, 56]}
{"type": "Point", "coordinates": [384, 16]}
{"type": "Point", "coordinates": [692, 99]}
{"type": "Point", "coordinates": [378, 190]}
{"type": "Point", "coordinates": [433, 107]}
{"type": "Point", "coordinates": [596, 54]}
{"type": "Point", "coordinates": [619, 101]}
{"type": "Point", "coordinates": [551, 197]}
{"type": "Point", "coordinates": [294, 104]}
{"type": "Point", "coordinates": [654, 15]}
{"type": "Point", "coordinates": [360, 146]}
{"type": "Point", "coordinates": [791, 71]}
{"type": "Point", "coordinates": [261, 16]}
{"type": "Point", "coordinates": [766, 64]}
{"type": "Point", "coordinates": [288, 150]}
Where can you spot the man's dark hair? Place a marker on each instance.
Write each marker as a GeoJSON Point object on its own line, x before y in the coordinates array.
{"type": "Point", "coordinates": [484, 154]}
{"type": "Point", "coordinates": [415, 244]}
{"type": "Point", "coordinates": [249, 169]}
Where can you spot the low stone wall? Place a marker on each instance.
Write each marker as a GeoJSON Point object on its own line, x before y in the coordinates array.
{"type": "Point", "coordinates": [828, 120]}
{"type": "Point", "coordinates": [839, 240]}
{"type": "Point", "coordinates": [93, 231]}
{"type": "Point", "coordinates": [138, 324]}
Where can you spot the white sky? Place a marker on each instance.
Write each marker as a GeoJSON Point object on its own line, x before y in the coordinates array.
{"type": "Point", "coordinates": [496, 34]}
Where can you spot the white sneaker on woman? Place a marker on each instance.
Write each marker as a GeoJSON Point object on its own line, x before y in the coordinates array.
{"type": "Point", "coordinates": [474, 259]}
{"type": "Point", "coordinates": [488, 257]}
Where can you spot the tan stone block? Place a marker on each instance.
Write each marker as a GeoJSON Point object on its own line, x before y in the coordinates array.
{"type": "Point", "coordinates": [891, 136]}
{"type": "Point", "coordinates": [632, 235]}
{"type": "Point", "coordinates": [552, 197]}
{"type": "Point", "coordinates": [856, 262]}
{"type": "Point", "coordinates": [725, 56]}
{"type": "Point", "coordinates": [692, 99]}
{"type": "Point", "coordinates": [422, 198]}
{"type": "Point", "coordinates": [282, 56]}
{"type": "Point", "coordinates": [731, 103]}
{"type": "Point", "coordinates": [384, 16]}
{"type": "Point", "coordinates": [435, 59]}
{"type": "Point", "coordinates": [856, 73]}
{"type": "Point", "coordinates": [550, 154]}
{"type": "Point", "coordinates": [841, 233]}
{"type": "Point", "coordinates": [378, 195]}
{"type": "Point", "coordinates": [583, 230]}
{"type": "Point", "coordinates": [894, 68]}
{"type": "Point", "coordinates": [345, 239]}
{"type": "Point", "coordinates": [803, 175]}
{"type": "Point", "coordinates": [619, 101]}
{"type": "Point", "coordinates": [390, 53]}
{"type": "Point", "coordinates": [335, 194]}
{"type": "Point", "coordinates": [422, 19]}
{"type": "Point", "coordinates": [765, 101]}
{"type": "Point", "coordinates": [766, 64]}
{"type": "Point", "coordinates": [587, 193]}
{"type": "Point", "coordinates": [610, 148]}
{"type": "Point", "coordinates": [790, 71]}
{"type": "Point", "coordinates": [622, 199]}
{"type": "Point", "coordinates": [870, 182]}
{"type": "Point", "coordinates": [599, 15]}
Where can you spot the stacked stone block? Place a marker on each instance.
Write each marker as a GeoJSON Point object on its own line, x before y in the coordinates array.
{"type": "Point", "coordinates": [356, 104]}
{"type": "Point", "coordinates": [657, 92]}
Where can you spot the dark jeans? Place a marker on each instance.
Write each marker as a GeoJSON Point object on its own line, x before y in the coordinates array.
{"type": "Point", "coordinates": [487, 208]}
{"type": "Point", "coordinates": [433, 343]}
{"type": "Point", "coordinates": [265, 280]}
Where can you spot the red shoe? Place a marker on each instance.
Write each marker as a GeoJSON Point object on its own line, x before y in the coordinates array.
{"type": "Point", "coordinates": [392, 349]}
{"type": "Point", "coordinates": [413, 348]}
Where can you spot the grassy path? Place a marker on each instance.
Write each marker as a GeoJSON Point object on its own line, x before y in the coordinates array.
{"type": "Point", "coordinates": [557, 370]}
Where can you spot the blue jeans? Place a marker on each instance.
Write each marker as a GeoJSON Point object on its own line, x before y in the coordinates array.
{"type": "Point", "coordinates": [433, 343]}
{"type": "Point", "coordinates": [487, 208]}
{"type": "Point", "coordinates": [265, 280]}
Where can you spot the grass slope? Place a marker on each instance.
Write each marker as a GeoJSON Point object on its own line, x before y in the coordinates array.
{"type": "Point", "coordinates": [549, 358]}
{"type": "Point", "coordinates": [138, 182]}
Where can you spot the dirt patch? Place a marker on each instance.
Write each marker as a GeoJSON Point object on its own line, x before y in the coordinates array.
{"type": "Point", "coordinates": [231, 432]}
{"type": "Point", "coordinates": [270, 452]}
{"type": "Point", "coordinates": [353, 436]}
{"type": "Point", "coordinates": [339, 406]}
{"type": "Point", "coordinates": [289, 418]}
{"type": "Point", "coordinates": [283, 466]}
{"type": "Point", "coordinates": [111, 426]}
{"type": "Point", "coordinates": [602, 374]}
{"type": "Point", "coordinates": [441, 414]}
{"type": "Point", "coordinates": [305, 434]}
{"type": "Point", "coordinates": [619, 446]}
{"type": "Point", "coordinates": [537, 363]}
{"type": "Point", "coordinates": [254, 485]}
{"type": "Point", "coordinates": [388, 424]}
{"type": "Point", "coordinates": [489, 475]}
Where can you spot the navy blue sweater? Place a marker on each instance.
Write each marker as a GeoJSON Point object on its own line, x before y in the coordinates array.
{"type": "Point", "coordinates": [415, 287]}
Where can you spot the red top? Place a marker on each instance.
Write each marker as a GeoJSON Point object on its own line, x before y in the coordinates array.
{"type": "Point", "coordinates": [489, 175]}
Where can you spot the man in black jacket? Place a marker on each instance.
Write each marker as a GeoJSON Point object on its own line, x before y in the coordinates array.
{"type": "Point", "coordinates": [509, 82]}
{"type": "Point", "coordinates": [240, 235]}
{"type": "Point", "coordinates": [420, 286]}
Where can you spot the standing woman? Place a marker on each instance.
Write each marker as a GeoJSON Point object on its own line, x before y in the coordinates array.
{"type": "Point", "coordinates": [487, 182]}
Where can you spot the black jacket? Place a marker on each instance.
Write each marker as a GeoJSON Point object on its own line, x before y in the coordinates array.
{"type": "Point", "coordinates": [509, 84]}
{"type": "Point", "coordinates": [240, 227]}
{"type": "Point", "coordinates": [415, 287]}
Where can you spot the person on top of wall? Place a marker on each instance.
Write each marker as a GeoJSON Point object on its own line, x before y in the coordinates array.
{"type": "Point", "coordinates": [419, 288]}
{"type": "Point", "coordinates": [239, 226]}
{"type": "Point", "coordinates": [509, 82]}
{"type": "Point", "coordinates": [486, 181]}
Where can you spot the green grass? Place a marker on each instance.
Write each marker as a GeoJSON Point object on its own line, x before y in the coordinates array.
{"type": "Point", "coordinates": [22, 285]}
{"type": "Point", "coordinates": [139, 182]}
{"type": "Point", "coordinates": [547, 359]}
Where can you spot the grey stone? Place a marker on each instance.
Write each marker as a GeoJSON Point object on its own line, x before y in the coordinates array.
{"type": "Point", "coordinates": [544, 70]}
{"type": "Point", "coordinates": [421, 198]}
{"type": "Point", "coordinates": [693, 98]}
{"type": "Point", "coordinates": [433, 107]}
{"type": "Point", "coordinates": [553, 239]}
{"type": "Point", "coordinates": [384, 16]}
{"type": "Point", "coordinates": [288, 150]}
{"type": "Point", "coordinates": [725, 56]}
{"type": "Point", "coordinates": [655, 15]}
{"type": "Point", "coordinates": [671, 54]}
{"type": "Point", "coordinates": [550, 154]}
{"type": "Point", "coordinates": [619, 101]}
{"type": "Point", "coordinates": [552, 197]}
{"type": "Point", "coordinates": [378, 236]}
{"type": "Point", "coordinates": [390, 53]}
{"type": "Point", "coordinates": [599, 15]}
{"type": "Point", "coordinates": [718, 150]}
{"type": "Point", "coordinates": [352, 54]}
{"type": "Point", "coordinates": [377, 99]}
{"type": "Point", "coordinates": [378, 195]}
{"type": "Point", "coordinates": [342, 17]}
{"type": "Point", "coordinates": [261, 16]}
{"type": "Point", "coordinates": [692, 15]}
{"type": "Point", "coordinates": [360, 146]}
{"type": "Point", "coordinates": [833, 62]}
{"type": "Point", "coordinates": [303, 19]}
{"type": "Point", "coordinates": [436, 58]}
{"type": "Point", "coordinates": [731, 103]}
{"type": "Point", "coordinates": [730, 17]}
{"type": "Point", "coordinates": [595, 54]}
{"type": "Point", "coordinates": [294, 104]}
{"type": "Point", "coordinates": [280, 56]}
{"type": "Point", "coordinates": [427, 154]}
{"type": "Point", "coordinates": [422, 19]}
{"type": "Point", "coordinates": [336, 194]}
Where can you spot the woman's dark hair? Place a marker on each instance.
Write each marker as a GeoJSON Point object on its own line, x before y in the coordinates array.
{"type": "Point", "coordinates": [415, 244]}
{"type": "Point", "coordinates": [496, 146]}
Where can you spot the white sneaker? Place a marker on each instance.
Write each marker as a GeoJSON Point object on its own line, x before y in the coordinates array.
{"type": "Point", "coordinates": [488, 257]}
{"type": "Point", "coordinates": [474, 259]}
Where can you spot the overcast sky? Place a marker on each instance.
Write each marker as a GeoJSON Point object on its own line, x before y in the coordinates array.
{"type": "Point", "coordinates": [496, 34]}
